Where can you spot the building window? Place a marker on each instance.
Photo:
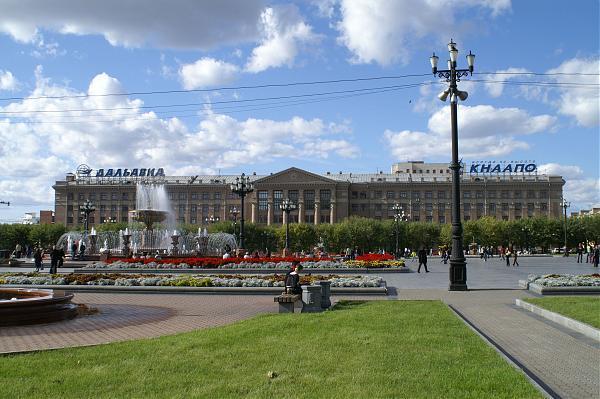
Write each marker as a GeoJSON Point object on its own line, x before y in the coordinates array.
{"type": "Point", "coordinates": [113, 208]}
{"type": "Point", "coordinates": [543, 194]}
{"type": "Point", "coordinates": [530, 194]}
{"type": "Point", "coordinates": [480, 207]}
{"type": "Point", "coordinates": [217, 196]}
{"type": "Point", "coordinates": [277, 198]}
{"type": "Point", "coordinates": [354, 207]}
{"type": "Point", "coordinates": [231, 195]}
{"type": "Point", "coordinates": [504, 194]}
{"type": "Point", "coordinates": [124, 196]}
{"type": "Point", "coordinates": [442, 208]}
{"type": "Point", "coordinates": [193, 208]}
{"type": "Point", "coordinates": [390, 207]}
{"type": "Point", "coordinates": [530, 207]}
{"type": "Point", "coordinates": [378, 207]}
{"type": "Point", "coordinates": [309, 199]}
{"type": "Point", "coordinates": [429, 219]}
{"type": "Point", "coordinates": [478, 194]}
{"type": "Point", "coordinates": [428, 194]}
{"type": "Point", "coordinates": [263, 196]}
{"type": "Point", "coordinates": [390, 195]}
{"type": "Point", "coordinates": [293, 196]}
{"type": "Point", "coordinates": [543, 206]}
{"type": "Point", "coordinates": [416, 218]}
{"type": "Point", "coordinates": [416, 195]}
{"type": "Point", "coordinates": [194, 196]}
{"type": "Point", "coordinates": [216, 210]}
{"type": "Point", "coordinates": [467, 207]}
{"type": "Point", "coordinates": [492, 208]}
{"type": "Point", "coordinates": [491, 194]}
{"type": "Point", "coordinates": [193, 220]}
{"type": "Point", "coordinates": [429, 207]}
{"type": "Point", "coordinates": [124, 209]}
{"type": "Point", "coordinates": [326, 199]}
{"type": "Point", "coordinates": [466, 194]}
{"type": "Point", "coordinates": [324, 218]}
{"type": "Point", "coordinates": [103, 196]}
{"type": "Point", "coordinates": [363, 207]}
{"type": "Point", "coordinates": [363, 195]}
{"type": "Point", "coordinates": [205, 196]}
{"type": "Point", "coordinates": [441, 195]}
{"type": "Point", "coordinates": [467, 217]}
{"type": "Point", "coordinates": [517, 206]}
{"type": "Point", "coordinates": [505, 207]}
{"type": "Point", "coordinates": [416, 206]}
{"type": "Point", "coordinates": [354, 195]}
{"type": "Point", "coordinates": [403, 194]}
{"type": "Point", "coordinates": [204, 210]}
{"type": "Point", "coordinates": [81, 197]}
{"type": "Point", "coordinates": [70, 219]}
{"type": "Point", "coordinates": [114, 196]}
{"type": "Point", "coordinates": [181, 209]}
{"type": "Point", "coordinates": [171, 196]}
{"type": "Point", "coordinates": [92, 196]}
{"type": "Point", "coordinates": [182, 196]}
{"type": "Point", "coordinates": [441, 219]}
{"type": "Point", "coordinates": [102, 208]}
{"type": "Point", "coordinates": [377, 194]}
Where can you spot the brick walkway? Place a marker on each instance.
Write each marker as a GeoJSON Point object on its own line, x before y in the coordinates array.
{"type": "Point", "coordinates": [130, 316]}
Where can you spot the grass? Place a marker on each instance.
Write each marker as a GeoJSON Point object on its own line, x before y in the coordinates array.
{"type": "Point", "coordinates": [393, 349]}
{"type": "Point", "coordinates": [584, 309]}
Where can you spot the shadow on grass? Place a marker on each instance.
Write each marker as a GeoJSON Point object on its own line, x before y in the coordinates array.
{"type": "Point", "coordinates": [347, 305]}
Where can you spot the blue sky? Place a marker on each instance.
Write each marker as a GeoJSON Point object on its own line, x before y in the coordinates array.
{"type": "Point", "coordinates": [52, 49]}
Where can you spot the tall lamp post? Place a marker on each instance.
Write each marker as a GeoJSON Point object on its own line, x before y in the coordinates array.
{"type": "Point", "coordinates": [88, 208]}
{"type": "Point", "coordinates": [398, 216]}
{"type": "Point", "coordinates": [458, 267]}
{"type": "Point", "coordinates": [287, 206]}
{"type": "Point", "coordinates": [234, 212]}
{"type": "Point", "coordinates": [565, 204]}
{"type": "Point", "coordinates": [242, 187]}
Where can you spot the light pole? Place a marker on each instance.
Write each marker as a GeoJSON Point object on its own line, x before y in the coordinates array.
{"type": "Point", "coordinates": [458, 267]}
{"type": "Point", "coordinates": [565, 204]}
{"type": "Point", "coordinates": [88, 208]}
{"type": "Point", "coordinates": [287, 206]}
{"type": "Point", "coordinates": [234, 212]}
{"type": "Point", "coordinates": [398, 216]}
{"type": "Point", "coordinates": [242, 187]}
{"type": "Point", "coordinates": [211, 219]}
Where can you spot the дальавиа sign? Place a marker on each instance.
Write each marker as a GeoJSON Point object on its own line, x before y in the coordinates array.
{"type": "Point", "coordinates": [141, 172]}
{"type": "Point", "coordinates": [502, 167]}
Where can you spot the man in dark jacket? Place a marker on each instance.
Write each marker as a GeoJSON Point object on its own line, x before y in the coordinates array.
{"type": "Point", "coordinates": [292, 279]}
{"type": "Point", "coordinates": [422, 260]}
{"type": "Point", "coordinates": [54, 257]}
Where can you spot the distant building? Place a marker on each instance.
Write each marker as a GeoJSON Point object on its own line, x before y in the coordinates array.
{"type": "Point", "coordinates": [46, 217]}
{"type": "Point", "coordinates": [30, 218]}
{"type": "Point", "coordinates": [505, 191]}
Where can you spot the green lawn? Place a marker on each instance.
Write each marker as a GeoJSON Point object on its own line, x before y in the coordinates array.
{"type": "Point", "coordinates": [393, 349]}
{"type": "Point", "coordinates": [583, 308]}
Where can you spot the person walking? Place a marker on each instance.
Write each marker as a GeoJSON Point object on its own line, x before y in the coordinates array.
{"type": "Point", "coordinates": [422, 260]}
{"type": "Point", "coordinates": [73, 250]}
{"type": "Point", "coordinates": [596, 255]}
{"type": "Point", "coordinates": [507, 256]}
{"type": "Point", "coordinates": [580, 253]}
{"type": "Point", "coordinates": [54, 257]}
{"type": "Point", "coordinates": [37, 259]}
{"type": "Point", "coordinates": [515, 262]}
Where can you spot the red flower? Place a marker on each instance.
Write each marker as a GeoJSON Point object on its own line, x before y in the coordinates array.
{"type": "Point", "coordinates": [375, 257]}
{"type": "Point", "coordinates": [213, 262]}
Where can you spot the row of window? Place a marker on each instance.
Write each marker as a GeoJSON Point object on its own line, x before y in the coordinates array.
{"type": "Point", "coordinates": [293, 195]}
{"type": "Point", "coordinates": [441, 194]}
{"type": "Point", "coordinates": [115, 196]}
{"type": "Point", "coordinates": [416, 207]}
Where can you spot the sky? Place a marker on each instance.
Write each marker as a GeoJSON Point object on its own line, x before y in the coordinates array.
{"type": "Point", "coordinates": [209, 87]}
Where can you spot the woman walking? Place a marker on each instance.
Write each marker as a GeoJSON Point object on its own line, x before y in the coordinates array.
{"type": "Point", "coordinates": [515, 263]}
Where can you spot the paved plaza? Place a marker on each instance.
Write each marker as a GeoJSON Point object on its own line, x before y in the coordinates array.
{"type": "Point", "coordinates": [565, 362]}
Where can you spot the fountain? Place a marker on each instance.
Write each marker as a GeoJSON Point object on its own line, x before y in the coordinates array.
{"type": "Point", "coordinates": [152, 208]}
{"type": "Point", "coordinates": [30, 306]}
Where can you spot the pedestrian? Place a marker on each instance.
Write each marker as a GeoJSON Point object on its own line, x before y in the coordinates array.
{"type": "Point", "coordinates": [74, 250]}
{"type": "Point", "coordinates": [507, 256]}
{"type": "Point", "coordinates": [54, 257]}
{"type": "Point", "coordinates": [502, 252]}
{"type": "Point", "coordinates": [18, 251]}
{"type": "Point", "coordinates": [515, 262]}
{"type": "Point", "coordinates": [580, 253]}
{"type": "Point", "coordinates": [37, 259]}
{"type": "Point", "coordinates": [422, 260]}
{"type": "Point", "coordinates": [81, 250]}
{"type": "Point", "coordinates": [596, 255]}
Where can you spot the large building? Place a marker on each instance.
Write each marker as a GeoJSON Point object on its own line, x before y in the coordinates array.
{"type": "Point", "coordinates": [506, 191]}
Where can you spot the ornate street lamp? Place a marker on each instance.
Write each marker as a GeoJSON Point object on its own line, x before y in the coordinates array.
{"type": "Point", "coordinates": [398, 217]}
{"type": "Point", "coordinates": [211, 219]}
{"type": "Point", "coordinates": [234, 212]}
{"type": "Point", "coordinates": [458, 268]}
{"type": "Point", "coordinates": [242, 187]}
{"type": "Point", "coordinates": [88, 208]}
{"type": "Point", "coordinates": [565, 204]}
{"type": "Point", "coordinates": [287, 206]}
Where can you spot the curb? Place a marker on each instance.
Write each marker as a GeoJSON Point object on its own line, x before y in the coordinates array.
{"type": "Point", "coordinates": [576, 290]}
{"type": "Point", "coordinates": [243, 271]}
{"type": "Point", "coordinates": [194, 290]}
{"type": "Point", "coordinates": [564, 321]}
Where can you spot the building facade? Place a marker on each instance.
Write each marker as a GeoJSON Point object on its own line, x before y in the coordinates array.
{"type": "Point", "coordinates": [423, 190]}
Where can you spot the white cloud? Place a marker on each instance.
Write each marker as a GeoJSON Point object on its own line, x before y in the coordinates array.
{"type": "Point", "coordinates": [583, 193]}
{"type": "Point", "coordinates": [181, 24]}
{"type": "Point", "coordinates": [283, 32]}
{"type": "Point", "coordinates": [496, 87]}
{"type": "Point", "coordinates": [40, 147]}
{"type": "Point", "coordinates": [582, 103]}
{"type": "Point", "coordinates": [384, 31]}
{"type": "Point", "coordinates": [207, 72]}
{"type": "Point", "coordinates": [566, 171]}
{"type": "Point", "coordinates": [484, 131]}
{"type": "Point", "coordinates": [8, 81]}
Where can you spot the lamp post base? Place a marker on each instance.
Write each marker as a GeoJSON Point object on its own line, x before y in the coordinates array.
{"type": "Point", "coordinates": [458, 275]}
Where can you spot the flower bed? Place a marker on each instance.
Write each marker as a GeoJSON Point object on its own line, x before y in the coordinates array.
{"type": "Point", "coordinates": [273, 263]}
{"type": "Point", "coordinates": [182, 280]}
{"type": "Point", "coordinates": [213, 263]}
{"type": "Point", "coordinates": [565, 280]}
{"type": "Point", "coordinates": [375, 257]}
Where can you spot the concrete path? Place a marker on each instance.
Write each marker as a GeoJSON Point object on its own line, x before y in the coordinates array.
{"type": "Point", "coordinates": [567, 362]}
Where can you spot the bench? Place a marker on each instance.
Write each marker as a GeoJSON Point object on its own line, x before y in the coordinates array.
{"type": "Point", "coordinates": [287, 302]}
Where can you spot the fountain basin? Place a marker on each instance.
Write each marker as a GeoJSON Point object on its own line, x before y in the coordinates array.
{"type": "Point", "coordinates": [19, 306]}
